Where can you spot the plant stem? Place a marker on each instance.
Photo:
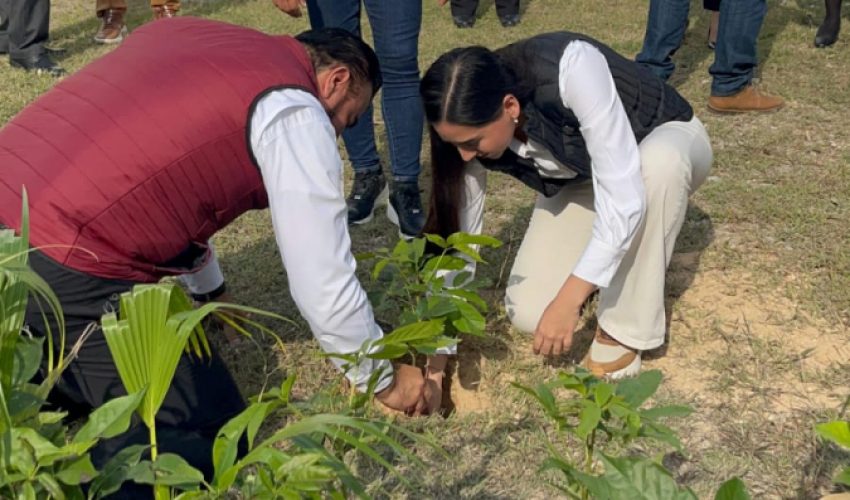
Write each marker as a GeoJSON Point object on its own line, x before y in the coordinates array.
{"type": "Point", "coordinates": [588, 461]}
{"type": "Point", "coordinates": [159, 492]}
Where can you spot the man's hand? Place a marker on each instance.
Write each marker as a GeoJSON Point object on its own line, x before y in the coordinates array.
{"type": "Point", "coordinates": [291, 7]}
{"type": "Point", "coordinates": [442, 2]}
{"type": "Point", "coordinates": [406, 393]}
{"type": "Point", "coordinates": [435, 371]}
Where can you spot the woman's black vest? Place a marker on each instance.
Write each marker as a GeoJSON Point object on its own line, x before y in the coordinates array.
{"type": "Point", "coordinates": [648, 101]}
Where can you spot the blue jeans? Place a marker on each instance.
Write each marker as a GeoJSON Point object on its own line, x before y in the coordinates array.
{"type": "Point", "coordinates": [395, 29]}
{"type": "Point", "coordinates": [735, 57]}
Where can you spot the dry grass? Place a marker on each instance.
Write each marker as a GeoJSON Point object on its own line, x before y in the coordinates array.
{"type": "Point", "coordinates": [759, 290]}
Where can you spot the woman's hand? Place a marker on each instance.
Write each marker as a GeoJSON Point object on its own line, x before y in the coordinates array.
{"type": "Point", "coordinates": [554, 332]}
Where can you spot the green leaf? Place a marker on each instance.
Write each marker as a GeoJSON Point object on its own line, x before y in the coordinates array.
{"type": "Point", "coordinates": [473, 239]}
{"type": "Point", "coordinates": [659, 412]}
{"type": "Point", "coordinates": [79, 471]}
{"type": "Point", "coordinates": [111, 419]}
{"type": "Point", "coordinates": [636, 478]}
{"type": "Point", "coordinates": [389, 352]}
{"type": "Point", "coordinates": [544, 396]}
{"type": "Point", "coordinates": [116, 471]}
{"type": "Point", "coordinates": [50, 484]}
{"type": "Point", "coordinates": [589, 418]}
{"type": "Point", "coordinates": [468, 251]}
{"type": "Point", "coordinates": [172, 470]}
{"type": "Point", "coordinates": [471, 321]}
{"type": "Point", "coordinates": [422, 330]}
{"type": "Point", "coordinates": [469, 296]}
{"type": "Point", "coordinates": [437, 307]}
{"type": "Point", "coordinates": [443, 263]}
{"type": "Point", "coordinates": [437, 240]}
{"type": "Point", "coordinates": [602, 393]}
{"type": "Point", "coordinates": [637, 390]}
{"type": "Point", "coordinates": [27, 359]}
{"type": "Point", "coordinates": [662, 433]}
{"type": "Point", "coordinates": [836, 431]}
{"type": "Point", "coordinates": [379, 267]}
{"type": "Point", "coordinates": [226, 444]}
{"type": "Point", "coordinates": [733, 489]}
{"type": "Point", "coordinates": [27, 492]}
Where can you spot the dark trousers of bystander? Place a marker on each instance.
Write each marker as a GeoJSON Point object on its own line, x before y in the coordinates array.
{"type": "Point", "coordinates": [24, 26]}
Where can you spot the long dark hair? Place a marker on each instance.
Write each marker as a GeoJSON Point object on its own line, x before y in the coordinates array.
{"type": "Point", "coordinates": [464, 86]}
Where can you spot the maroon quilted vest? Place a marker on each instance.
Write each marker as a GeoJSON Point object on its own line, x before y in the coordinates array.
{"type": "Point", "coordinates": [135, 161]}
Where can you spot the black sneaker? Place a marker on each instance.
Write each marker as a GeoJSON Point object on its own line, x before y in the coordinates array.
{"type": "Point", "coordinates": [368, 192]}
{"type": "Point", "coordinates": [405, 209]}
{"type": "Point", "coordinates": [41, 64]}
{"type": "Point", "coordinates": [510, 20]}
{"type": "Point", "coordinates": [464, 22]}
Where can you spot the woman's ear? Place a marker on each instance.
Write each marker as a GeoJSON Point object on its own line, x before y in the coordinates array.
{"type": "Point", "coordinates": [512, 106]}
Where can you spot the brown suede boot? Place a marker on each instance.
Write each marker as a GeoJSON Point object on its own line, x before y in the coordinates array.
{"type": "Point", "coordinates": [165, 11]}
{"type": "Point", "coordinates": [112, 27]}
{"type": "Point", "coordinates": [748, 99]}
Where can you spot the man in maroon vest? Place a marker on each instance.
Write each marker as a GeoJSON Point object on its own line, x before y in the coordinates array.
{"type": "Point", "coordinates": [143, 155]}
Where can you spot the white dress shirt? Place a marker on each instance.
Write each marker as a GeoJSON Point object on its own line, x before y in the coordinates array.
{"type": "Point", "coordinates": [587, 88]}
{"type": "Point", "coordinates": [295, 146]}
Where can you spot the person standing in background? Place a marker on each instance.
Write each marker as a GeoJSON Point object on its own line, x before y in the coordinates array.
{"type": "Point", "coordinates": [735, 57]}
{"type": "Point", "coordinates": [24, 27]}
{"type": "Point", "coordinates": [111, 13]}
{"type": "Point", "coordinates": [395, 29]}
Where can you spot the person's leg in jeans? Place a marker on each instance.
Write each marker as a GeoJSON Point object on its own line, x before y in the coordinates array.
{"type": "Point", "coordinates": [665, 28]}
{"type": "Point", "coordinates": [736, 59]}
{"type": "Point", "coordinates": [369, 189]}
{"type": "Point", "coordinates": [24, 31]}
{"type": "Point", "coordinates": [202, 397]}
{"type": "Point", "coordinates": [395, 29]}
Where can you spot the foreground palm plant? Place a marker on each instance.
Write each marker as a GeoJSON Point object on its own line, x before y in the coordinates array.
{"type": "Point", "coordinates": [37, 457]}
{"type": "Point", "coordinates": [156, 324]}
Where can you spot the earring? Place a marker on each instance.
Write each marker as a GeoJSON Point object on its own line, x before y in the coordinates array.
{"type": "Point", "coordinates": [516, 121]}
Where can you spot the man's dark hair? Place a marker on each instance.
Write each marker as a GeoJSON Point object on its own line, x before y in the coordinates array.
{"type": "Point", "coordinates": [329, 46]}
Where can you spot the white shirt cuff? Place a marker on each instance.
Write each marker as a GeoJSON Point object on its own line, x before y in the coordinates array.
{"type": "Point", "coordinates": [599, 263]}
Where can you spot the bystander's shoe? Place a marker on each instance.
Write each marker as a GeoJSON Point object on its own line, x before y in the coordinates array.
{"type": "Point", "coordinates": [41, 64]}
{"type": "Point", "coordinates": [828, 32]}
{"type": "Point", "coordinates": [405, 209]}
{"type": "Point", "coordinates": [165, 11]}
{"type": "Point", "coordinates": [748, 99]}
{"type": "Point", "coordinates": [368, 192]}
{"type": "Point", "coordinates": [510, 20]}
{"type": "Point", "coordinates": [463, 22]}
{"type": "Point", "coordinates": [112, 26]}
